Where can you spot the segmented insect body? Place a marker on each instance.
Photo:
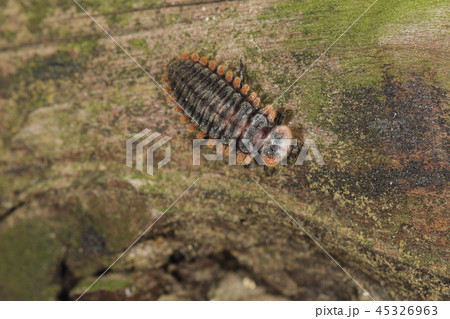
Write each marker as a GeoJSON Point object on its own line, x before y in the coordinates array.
{"type": "Point", "coordinates": [221, 108]}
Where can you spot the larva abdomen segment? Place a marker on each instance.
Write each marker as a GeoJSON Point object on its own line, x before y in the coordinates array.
{"type": "Point", "coordinates": [209, 100]}
{"type": "Point", "coordinates": [215, 106]}
{"type": "Point", "coordinates": [219, 106]}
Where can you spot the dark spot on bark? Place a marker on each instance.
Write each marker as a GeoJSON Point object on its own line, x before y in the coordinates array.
{"type": "Point", "coordinates": [92, 242]}
{"type": "Point", "coordinates": [401, 117]}
{"type": "Point", "coordinates": [55, 66]}
{"type": "Point", "coordinates": [404, 121]}
{"type": "Point", "coordinates": [176, 257]}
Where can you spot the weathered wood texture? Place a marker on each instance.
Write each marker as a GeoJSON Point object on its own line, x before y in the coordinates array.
{"type": "Point", "coordinates": [376, 105]}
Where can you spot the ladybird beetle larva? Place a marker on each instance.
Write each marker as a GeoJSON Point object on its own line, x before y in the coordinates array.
{"type": "Point", "coordinates": [223, 108]}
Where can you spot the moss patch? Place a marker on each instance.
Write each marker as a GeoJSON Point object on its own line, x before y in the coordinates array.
{"type": "Point", "coordinates": [29, 253]}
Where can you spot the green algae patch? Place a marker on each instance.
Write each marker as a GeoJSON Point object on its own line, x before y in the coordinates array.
{"type": "Point", "coordinates": [382, 107]}
{"type": "Point", "coordinates": [141, 44]}
{"type": "Point", "coordinates": [42, 81]}
{"type": "Point", "coordinates": [29, 253]}
{"type": "Point", "coordinates": [363, 53]}
{"type": "Point", "coordinates": [110, 282]}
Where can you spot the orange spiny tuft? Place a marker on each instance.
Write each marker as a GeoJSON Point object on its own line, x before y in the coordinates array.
{"type": "Point", "coordinates": [212, 65]}
{"type": "Point", "coordinates": [267, 109]}
{"type": "Point", "coordinates": [229, 76]}
{"type": "Point", "coordinates": [203, 61]}
{"type": "Point", "coordinates": [227, 151]}
{"type": "Point", "coordinates": [255, 103]}
{"type": "Point", "coordinates": [245, 89]}
{"type": "Point", "coordinates": [247, 160]}
{"type": "Point", "coordinates": [252, 97]}
{"type": "Point", "coordinates": [177, 109]}
{"type": "Point", "coordinates": [270, 160]}
{"type": "Point", "coordinates": [240, 157]}
{"type": "Point", "coordinates": [211, 143]}
{"type": "Point", "coordinates": [201, 135]}
{"type": "Point", "coordinates": [237, 83]}
{"type": "Point", "coordinates": [170, 100]}
{"type": "Point", "coordinates": [271, 116]}
{"type": "Point", "coordinates": [167, 89]}
{"type": "Point", "coordinates": [185, 56]}
{"type": "Point", "coordinates": [220, 70]}
{"type": "Point", "coordinates": [194, 57]}
{"type": "Point", "coordinates": [185, 119]}
{"type": "Point", "coordinates": [192, 127]}
{"type": "Point", "coordinates": [165, 78]}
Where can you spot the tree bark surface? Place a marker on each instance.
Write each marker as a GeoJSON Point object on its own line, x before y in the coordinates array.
{"type": "Point", "coordinates": [375, 105]}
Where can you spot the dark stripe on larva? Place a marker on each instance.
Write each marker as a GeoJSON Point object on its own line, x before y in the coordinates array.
{"type": "Point", "coordinates": [215, 89]}
{"type": "Point", "coordinates": [178, 81]}
{"type": "Point", "coordinates": [185, 87]}
{"type": "Point", "coordinates": [219, 109]}
{"type": "Point", "coordinates": [240, 121]}
{"type": "Point", "coordinates": [215, 105]}
{"type": "Point", "coordinates": [225, 114]}
{"type": "Point", "coordinates": [202, 93]}
{"type": "Point", "coordinates": [192, 85]}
